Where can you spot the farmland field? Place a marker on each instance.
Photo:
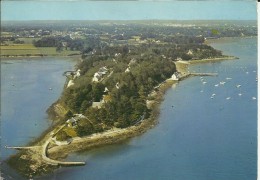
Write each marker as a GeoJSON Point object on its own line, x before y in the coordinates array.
{"type": "Point", "coordinates": [19, 50]}
{"type": "Point", "coordinates": [31, 50]}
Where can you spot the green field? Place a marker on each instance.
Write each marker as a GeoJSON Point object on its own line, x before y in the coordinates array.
{"type": "Point", "coordinates": [31, 50]}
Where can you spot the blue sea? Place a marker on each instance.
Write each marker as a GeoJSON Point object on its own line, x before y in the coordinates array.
{"type": "Point", "coordinates": [207, 125]}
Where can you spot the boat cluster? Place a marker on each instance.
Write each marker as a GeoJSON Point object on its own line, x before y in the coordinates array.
{"type": "Point", "coordinates": [222, 83]}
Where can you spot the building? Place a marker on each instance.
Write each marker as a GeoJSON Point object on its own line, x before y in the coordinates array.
{"type": "Point", "coordinates": [179, 59]}
{"type": "Point", "coordinates": [98, 75]}
{"type": "Point", "coordinates": [77, 74]}
{"type": "Point", "coordinates": [190, 52]}
{"type": "Point", "coordinates": [127, 69]}
{"type": "Point", "coordinates": [174, 77]}
{"type": "Point", "coordinates": [97, 104]}
{"type": "Point", "coordinates": [72, 122]}
{"type": "Point", "coordinates": [70, 83]}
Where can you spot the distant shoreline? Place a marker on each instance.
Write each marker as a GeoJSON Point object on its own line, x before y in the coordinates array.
{"type": "Point", "coordinates": [213, 59]}
{"type": "Point", "coordinates": [223, 39]}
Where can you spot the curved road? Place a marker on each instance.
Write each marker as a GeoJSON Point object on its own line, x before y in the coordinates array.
{"type": "Point", "coordinates": [44, 149]}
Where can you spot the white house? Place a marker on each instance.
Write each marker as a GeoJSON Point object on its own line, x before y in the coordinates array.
{"type": "Point", "coordinates": [133, 61]}
{"type": "Point", "coordinates": [174, 77]}
{"type": "Point", "coordinates": [72, 122]}
{"type": "Point", "coordinates": [80, 116]}
{"type": "Point", "coordinates": [106, 90]}
{"type": "Point", "coordinates": [97, 77]}
{"type": "Point", "coordinates": [117, 54]}
{"type": "Point", "coordinates": [103, 70]}
{"type": "Point", "coordinates": [190, 52]}
{"type": "Point", "coordinates": [179, 59]}
{"type": "Point", "coordinates": [70, 83]}
{"type": "Point", "coordinates": [117, 85]}
{"type": "Point", "coordinates": [127, 69]}
{"type": "Point", "coordinates": [77, 73]}
{"type": "Point", "coordinates": [96, 104]}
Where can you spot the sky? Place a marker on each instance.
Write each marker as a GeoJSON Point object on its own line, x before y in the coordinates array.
{"type": "Point", "coordinates": [128, 10]}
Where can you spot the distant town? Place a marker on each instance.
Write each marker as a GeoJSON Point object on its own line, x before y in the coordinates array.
{"type": "Point", "coordinates": [68, 38]}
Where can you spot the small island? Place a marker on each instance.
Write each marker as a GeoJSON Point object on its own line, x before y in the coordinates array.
{"type": "Point", "coordinates": [115, 90]}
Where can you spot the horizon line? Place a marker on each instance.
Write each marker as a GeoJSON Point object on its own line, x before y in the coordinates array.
{"type": "Point", "coordinates": [130, 20]}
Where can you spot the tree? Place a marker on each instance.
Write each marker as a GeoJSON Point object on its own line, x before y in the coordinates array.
{"type": "Point", "coordinates": [68, 115]}
{"type": "Point", "coordinates": [59, 47]}
{"type": "Point", "coordinates": [62, 136]}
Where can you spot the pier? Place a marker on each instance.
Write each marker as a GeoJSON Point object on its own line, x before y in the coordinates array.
{"type": "Point", "coordinates": [21, 147]}
{"type": "Point", "coordinates": [67, 73]}
{"type": "Point", "coordinates": [203, 74]}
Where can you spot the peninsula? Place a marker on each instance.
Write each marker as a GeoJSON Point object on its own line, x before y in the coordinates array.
{"type": "Point", "coordinates": [115, 89]}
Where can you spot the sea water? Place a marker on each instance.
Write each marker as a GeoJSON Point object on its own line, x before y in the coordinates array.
{"type": "Point", "coordinates": [28, 87]}
{"type": "Point", "coordinates": [198, 137]}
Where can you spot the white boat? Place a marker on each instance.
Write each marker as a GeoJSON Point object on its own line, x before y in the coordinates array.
{"type": "Point", "coordinates": [240, 94]}
{"type": "Point", "coordinates": [222, 82]}
{"type": "Point", "coordinates": [216, 85]}
{"type": "Point", "coordinates": [204, 82]}
{"type": "Point", "coordinates": [228, 78]}
{"type": "Point", "coordinates": [238, 85]}
{"type": "Point", "coordinates": [228, 98]}
{"type": "Point", "coordinates": [253, 98]}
